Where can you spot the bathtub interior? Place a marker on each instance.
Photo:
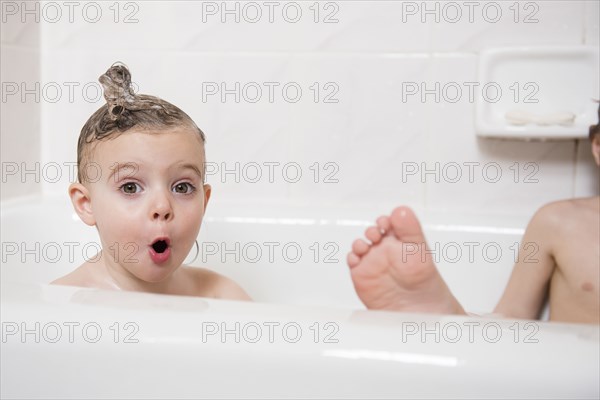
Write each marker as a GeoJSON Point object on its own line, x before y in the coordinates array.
{"type": "Point", "coordinates": [291, 255]}
{"type": "Point", "coordinates": [370, 359]}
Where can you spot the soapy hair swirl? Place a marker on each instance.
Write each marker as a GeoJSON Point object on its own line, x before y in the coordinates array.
{"type": "Point", "coordinates": [125, 110]}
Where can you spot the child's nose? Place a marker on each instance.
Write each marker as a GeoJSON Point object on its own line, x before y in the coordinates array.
{"type": "Point", "coordinates": [161, 209]}
{"type": "Point", "coordinates": [162, 215]}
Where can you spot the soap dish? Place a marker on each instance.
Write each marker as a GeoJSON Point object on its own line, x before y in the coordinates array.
{"type": "Point", "coordinates": [537, 92]}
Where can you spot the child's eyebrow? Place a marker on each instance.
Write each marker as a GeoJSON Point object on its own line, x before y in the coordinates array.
{"type": "Point", "coordinates": [120, 166]}
{"type": "Point", "coordinates": [193, 167]}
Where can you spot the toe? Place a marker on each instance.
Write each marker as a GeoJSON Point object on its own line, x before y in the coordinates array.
{"type": "Point", "coordinates": [373, 234]}
{"type": "Point", "coordinates": [406, 226]}
{"type": "Point", "coordinates": [360, 247]}
{"type": "Point", "coordinates": [352, 260]}
{"type": "Point", "coordinates": [383, 223]}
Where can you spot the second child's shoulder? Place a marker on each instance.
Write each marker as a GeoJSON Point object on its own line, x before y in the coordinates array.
{"type": "Point", "coordinates": [209, 283]}
{"type": "Point", "coordinates": [564, 212]}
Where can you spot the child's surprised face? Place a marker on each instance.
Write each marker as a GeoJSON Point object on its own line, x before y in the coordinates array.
{"type": "Point", "coordinates": [149, 202]}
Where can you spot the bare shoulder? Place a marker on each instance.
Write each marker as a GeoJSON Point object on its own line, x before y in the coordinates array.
{"type": "Point", "coordinates": [208, 283]}
{"type": "Point", "coordinates": [566, 230]}
{"type": "Point", "coordinates": [81, 276]}
{"type": "Point", "coordinates": [554, 222]}
{"type": "Point", "coordinates": [67, 280]}
{"type": "Point", "coordinates": [561, 214]}
{"type": "Point", "coordinates": [553, 212]}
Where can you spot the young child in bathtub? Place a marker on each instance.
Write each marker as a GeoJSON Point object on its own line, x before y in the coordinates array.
{"type": "Point", "coordinates": [387, 275]}
{"type": "Point", "coordinates": [141, 183]}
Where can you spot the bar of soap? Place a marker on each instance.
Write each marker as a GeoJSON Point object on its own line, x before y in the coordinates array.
{"type": "Point", "coordinates": [520, 117]}
{"type": "Point", "coordinates": [558, 118]}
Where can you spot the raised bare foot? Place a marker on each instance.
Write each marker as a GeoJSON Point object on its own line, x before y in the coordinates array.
{"type": "Point", "coordinates": [395, 271]}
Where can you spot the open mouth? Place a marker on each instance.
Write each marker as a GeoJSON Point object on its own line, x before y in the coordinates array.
{"type": "Point", "coordinates": [160, 250]}
{"type": "Point", "coordinates": [160, 246]}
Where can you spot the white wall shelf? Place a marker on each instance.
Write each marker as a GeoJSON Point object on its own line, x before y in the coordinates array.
{"type": "Point", "coordinates": [541, 86]}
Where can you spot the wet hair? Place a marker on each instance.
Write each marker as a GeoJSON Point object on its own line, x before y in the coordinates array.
{"type": "Point", "coordinates": [125, 110]}
{"type": "Point", "coordinates": [595, 129]}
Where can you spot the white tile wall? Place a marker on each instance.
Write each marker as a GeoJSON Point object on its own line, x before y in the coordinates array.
{"type": "Point", "coordinates": [504, 23]}
{"type": "Point", "coordinates": [22, 172]}
{"type": "Point", "coordinates": [18, 30]}
{"type": "Point", "coordinates": [216, 26]}
{"type": "Point", "coordinates": [476, 173]}
{"type": "Point", "coordinates": [368, 136]}
{"type": "Point", "coordinates": [592, 13]}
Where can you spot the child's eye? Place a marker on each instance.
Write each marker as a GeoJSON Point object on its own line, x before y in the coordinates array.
{"type": "Point", "coordinates": [130, 188]}
{"type": "Point", "coordinates": [184, 187]}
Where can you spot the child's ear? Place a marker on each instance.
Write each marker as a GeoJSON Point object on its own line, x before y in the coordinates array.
{"type": "Point", "coordinates": [596, 148]}
{"type": "Point", "coordinates": [82, 202]}
{"type": "Point", "coordinates": [207, 191]}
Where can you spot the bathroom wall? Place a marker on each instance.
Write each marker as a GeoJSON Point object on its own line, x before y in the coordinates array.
{"type": "Point", "coordinates": [356, 138]}
{"type": "Point", "coordinates": [20, 110]}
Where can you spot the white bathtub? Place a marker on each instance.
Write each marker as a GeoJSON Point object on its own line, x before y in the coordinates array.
{"type": "Point", "coordinates": [307, 334]}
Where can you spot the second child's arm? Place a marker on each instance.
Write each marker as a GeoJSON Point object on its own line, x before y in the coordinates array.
{"type": "Point", "coordinates": [528, 284]}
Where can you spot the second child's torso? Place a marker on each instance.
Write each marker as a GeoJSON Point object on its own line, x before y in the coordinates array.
{"type": "Point", "coordinates": [574, 287]}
